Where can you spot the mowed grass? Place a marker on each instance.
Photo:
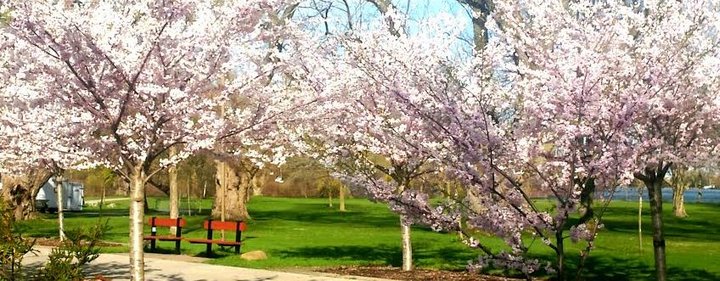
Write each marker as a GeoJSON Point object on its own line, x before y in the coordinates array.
{"type": "Point", "coordinates": [306, 233]}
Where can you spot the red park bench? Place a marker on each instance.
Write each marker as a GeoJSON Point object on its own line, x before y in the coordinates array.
{"type": "Point", "coordinates": [210, 225]}
{"type": "Point", "coordinates": [154, 222]}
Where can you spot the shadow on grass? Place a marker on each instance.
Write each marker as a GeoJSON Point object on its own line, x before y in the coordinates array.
{"type": "Point", "coordinates": [218, 252]}
{"type": "Point", "coordinates": [445, 258]}
{"type": "Point", "coordinates": [385, 254]}
{"type": "Point", "coordinates": [599, 268]}
{"type": "Point", "coordinates": [596, 268]}
{"type": "Point", "coordinates": [328, 217]}
{"type": "Point", "coordinates": [605, 268]}
{"type": "Point", "coordinates": [93, 214]}
{"type": "Point", "coordinates": [699, 225]}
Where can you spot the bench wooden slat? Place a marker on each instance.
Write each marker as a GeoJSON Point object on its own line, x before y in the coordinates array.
{"type": "Point", "coordinates": [166, 222]}
{"type": "Point", "coordinates": [219, 242]}
{"type": "Point", "coordinates": [210, 225]}
{"type": "Point", "coordinates": [162, 238]}
{"type": "Point", "coordinates": [225, 225]}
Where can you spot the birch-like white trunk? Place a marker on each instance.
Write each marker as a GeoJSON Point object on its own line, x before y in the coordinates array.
{"type": "Point", "coordinates": [137, 214]}
{"type": "Point", "coordinates": [60, 201]}
{"type": "Point", "coordinates": [407, 259]}
{"type": "Point", "coordinates": [174, 191]}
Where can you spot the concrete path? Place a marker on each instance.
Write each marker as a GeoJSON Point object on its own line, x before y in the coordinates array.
{"type": "Point", "coordinates": [161, 267]}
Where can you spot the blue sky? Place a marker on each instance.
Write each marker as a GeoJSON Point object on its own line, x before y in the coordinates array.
{"type": "Point", "coordinates": [364, 12]}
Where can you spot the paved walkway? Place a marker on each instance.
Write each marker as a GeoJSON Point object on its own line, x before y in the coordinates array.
{"type": "Point", "coordinates": [159, 267]}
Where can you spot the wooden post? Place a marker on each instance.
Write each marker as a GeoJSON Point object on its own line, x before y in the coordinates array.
{"type": "Point", "coordinates": [208, 250]}
{"type": "Point", "coordinates": [188, 201]}
{"type": "Point", "coordinates": [153, 232]}
{"type": "Point", "coordinates": [238, 235]}
{"type": "Point", "coordinates": [178, 233]}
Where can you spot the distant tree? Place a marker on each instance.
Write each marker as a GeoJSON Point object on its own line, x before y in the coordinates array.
{"type": "Point", "coordinates": [682, 178]}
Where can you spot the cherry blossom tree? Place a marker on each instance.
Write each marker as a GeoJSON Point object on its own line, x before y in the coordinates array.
{"type": "Point", "coordinates": [33, 147]}
{"type": "Point", "coordinates": [264, 123]}
{"type": "Point", "coordinates": [133, 78]}
{"type": "Point", "coordinates": [566, 116]}
{"type": "Point", "coordinates": [371, 143]}
{"type": "Point", "coordinates": [653, 64]}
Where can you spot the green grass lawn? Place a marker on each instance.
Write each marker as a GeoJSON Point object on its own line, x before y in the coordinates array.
{"type": "Point", "coordinates": [306, 233]}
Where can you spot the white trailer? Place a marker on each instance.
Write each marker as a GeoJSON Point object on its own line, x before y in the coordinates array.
{"type": "Point", "coordinates": [46, 199]}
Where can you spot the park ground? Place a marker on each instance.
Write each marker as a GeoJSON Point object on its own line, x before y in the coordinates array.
{"type": "Point", "coordinates": [306, 234]}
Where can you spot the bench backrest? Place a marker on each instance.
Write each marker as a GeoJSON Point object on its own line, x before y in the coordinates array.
{"type": "Point", "coordinates": [225, 225]}
{"type": "Point", "coordinates": [166, 222]}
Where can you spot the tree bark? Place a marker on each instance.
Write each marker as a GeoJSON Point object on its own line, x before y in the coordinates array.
{"type": "Point", "coordinates": [258, 183]}
{"type": "Point", "coordinates": [137, 214]}
{"type": "Point", "coordinates": [407, 259]}
{"type": "Point", "coordinates": [653, 179]}
{"type": "Point", "coordinates": [19, 192]}
{"type": "Point", "coordinates": [655, 193]}
{"type": "Point", "coordinates": [679, 201]}
{"type": "Point", "coordinates": [174, 191]}
{"type": "Point", "coordinates": [60, 200]}
{"type": "Point", "coordinates": [232, 187]}
{"type": "Point", "coordinates": [341, 197]}
{"type": "Point", "coordinates": [384, 6]}
{"type": "Point", "coordinates": [682, 178]}
{"type": "Point", "coordinates": [482, 9]}
{"type": "Point", "coordinates": [560, 252]}
{"type": "Point", "coordinates": [640, 220]}
{"type": "Point", "coordinates": [102, 198]}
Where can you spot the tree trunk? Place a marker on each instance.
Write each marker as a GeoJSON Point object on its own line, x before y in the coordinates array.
{"type": "Point", "coordinates": [474, 202]}
{"type": "Point", "coordinates": [60, 205]}
{"type": "Point", "coordinates": [258, 183]}
{"type": "Point", "coordinates": [407, 259]}
{"type": "Point", "coordinates": [481, 9]}
{"type": "Point", "coordinates": [19, 192]}
{"type": "Point", "coordinates": [330, 199]}
{"type": "Point", "coordinates": [560, 252]}
{"type": "Point", "coordinates": [653, 180]}
{"type": "Point", "coordinates": [174, 191]}
{"type": "Point", "coordinates": [231, 191]}
{"type": "Point", "coordinates": [655, 193]}
{"type": "Point", "coordinates": [341, 197]}
{"type": "Point", "coordinates": [102, 199]}
{"type": "Point", "coordinates": [137, 214]}
{"type": "Point", "coordinates": [679, 201]}
{"type": "Point", "coordinates": [640, 219]}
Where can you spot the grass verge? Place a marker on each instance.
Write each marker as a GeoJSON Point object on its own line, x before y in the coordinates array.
{"type": "Point", "coordinates": [306, 233]}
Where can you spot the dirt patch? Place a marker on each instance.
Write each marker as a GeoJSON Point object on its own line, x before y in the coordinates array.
{"type": "Point", "coordinates": [415, 275]}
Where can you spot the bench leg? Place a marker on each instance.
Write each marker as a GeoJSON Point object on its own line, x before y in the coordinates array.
{"type": "Point", "coordinates": [208, 250]}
